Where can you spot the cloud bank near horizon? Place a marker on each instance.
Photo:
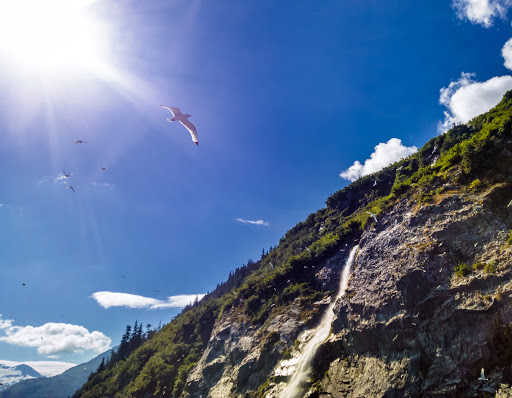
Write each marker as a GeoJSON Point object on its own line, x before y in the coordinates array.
{"type": "Point", "coordinates": [53, 338]}
{"type": "Point", "coordinates": [45, 368]}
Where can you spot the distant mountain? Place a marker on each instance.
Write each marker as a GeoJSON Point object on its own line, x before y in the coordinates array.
{"type": "Point", "coordinates": [60, 386]}
{"type": "Point", "coordinates": [10, 375]}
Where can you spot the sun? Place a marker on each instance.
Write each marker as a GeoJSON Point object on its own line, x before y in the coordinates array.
{"type": "Point", "coordinates": [52, 34]}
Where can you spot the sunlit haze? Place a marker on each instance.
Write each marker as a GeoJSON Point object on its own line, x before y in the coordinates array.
{"type": "Point", "coordinates": [52, 34]}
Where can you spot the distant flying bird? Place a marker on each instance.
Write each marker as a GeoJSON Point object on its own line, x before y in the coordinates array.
{"type": "Point", "coordinates": [375, 183]}
{"type": "Point", "coordinates": [41, 337]}
{"type": "Point", "coordinates": [79, 142]}
{"type": "Point", "coordinates": [103, 168]}
{"type": "Point", "coordinates": [24, 284]}
{"type": "Point", "coordinates": [373, 215]}
{"type": "Point", "coordinates": [67, 175]}
{"type": "Point", "coordinates": [70, 187]}
{"type": "Point", "coordinates": [482, 376]}
{"type": "Point", "coordinates": [183, 119]}
{"type": "Point", "coordinates": [400, 168]}
{"type": "Point", "coordinates": [156, 291]}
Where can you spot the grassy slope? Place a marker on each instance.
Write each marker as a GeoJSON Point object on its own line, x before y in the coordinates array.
{"type": "Point", "coordinates": [469, 156]}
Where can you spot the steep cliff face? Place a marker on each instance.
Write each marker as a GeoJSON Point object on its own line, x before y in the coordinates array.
{"type": "Point", "coordinates": [407, 326]}
{"type": "Point", "coordinates": [410, 325]}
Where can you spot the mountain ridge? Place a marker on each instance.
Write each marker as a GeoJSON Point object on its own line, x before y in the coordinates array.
{"type": "Point", "coordinates": [59, 386]}
{"type": "Point", "coordinates": [417, 253]}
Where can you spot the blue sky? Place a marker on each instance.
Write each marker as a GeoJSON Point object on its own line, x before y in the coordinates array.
{"type": "Point", "coordinates": [285, 96]}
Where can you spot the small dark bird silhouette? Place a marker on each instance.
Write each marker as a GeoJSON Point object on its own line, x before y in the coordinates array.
{"type": "Point", "coordinates": [103, 168]}
{"type": "Point", "coordinates": [156, 291]}
{"type": "Point", "coordinates": [2, 384]}
{"type": "Point", "coordinates": [24, 284]}
{"type": "Point", "coordinates": [70, 187]}
{"type": "Point", "coordinates": [79, 142]}
{"type": "Point", "coordinates": [67, 175]}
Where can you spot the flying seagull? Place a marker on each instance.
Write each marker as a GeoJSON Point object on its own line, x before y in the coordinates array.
{"type": "Point", "coordinates": [67, 175]}
{"type": "Point", "coordinates": [70, 187]}
{"type": "Point", "coordinates": [183, 119]}
{"type": "Point", "coordinates": [79, 142]}
{"type": "Point", "coordinates": [482, 376]}
{"type": "Point", "coordinates": [373, 215]}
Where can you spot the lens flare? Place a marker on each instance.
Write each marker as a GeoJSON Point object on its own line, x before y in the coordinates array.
{"type": "Point", "coordinates": [52, 34]}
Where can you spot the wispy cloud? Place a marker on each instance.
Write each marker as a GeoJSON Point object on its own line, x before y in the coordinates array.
{"type": "Point", "coordinates": [61, 179]}
{"type": "Point", "coordinates": [467, 98]}
{"type": "Point", "coordinates": [113, 299]}
{"type": "Point", "coordinates": [102, 185]}
{"type": "Point", "coordinates": [53, 338]}
{"type": "Point", "coordinates": [384, 154]}
{"type": "Point", "coordinates": [482, 12]}
{"type": "Point", "coordinates": [257, 222]}
{"type": "Point", "coordinates": [45, 368]}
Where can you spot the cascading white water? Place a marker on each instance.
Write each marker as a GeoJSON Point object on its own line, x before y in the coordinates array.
{"type": "Point", "coordinates": [303, 369]}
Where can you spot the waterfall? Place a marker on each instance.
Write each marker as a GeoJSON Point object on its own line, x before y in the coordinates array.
{"type": "Point", "coordinates": [319, 334]}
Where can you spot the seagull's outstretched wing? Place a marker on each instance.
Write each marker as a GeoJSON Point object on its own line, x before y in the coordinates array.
{"type": "Point", "coordinates": [175, 111]}
{"type": "Point", "coordinates": [192, 129]}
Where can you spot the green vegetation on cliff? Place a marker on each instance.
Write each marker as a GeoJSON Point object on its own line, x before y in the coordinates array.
{"type": "Point", "coordinates": [467, 158]}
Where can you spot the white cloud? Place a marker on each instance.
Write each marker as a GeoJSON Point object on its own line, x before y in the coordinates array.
{"type": "Point", "coordinates": [481, 12]}
{"type": "Point", "coordinates": [54, 338]}
{"type": "Point", "coordinates": [467, 98]}
{"type": "Point", "coordinates": [383, 155]}
{"type": "Point", "coordinates": [506, 52]}
{"type": "Point", "coordinates": [45, 368]}
{"type": "Point", "coordinates": [258, 222]}
{"type": "Point", "coordinates": [113, 299]}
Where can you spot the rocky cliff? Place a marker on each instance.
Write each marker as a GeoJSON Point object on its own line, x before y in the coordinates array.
{"type": "Point", "coordinates": [407, 326]}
